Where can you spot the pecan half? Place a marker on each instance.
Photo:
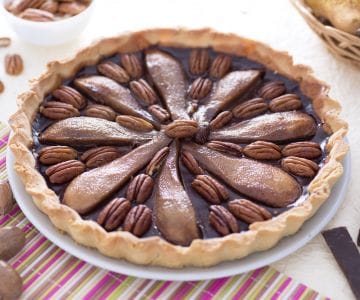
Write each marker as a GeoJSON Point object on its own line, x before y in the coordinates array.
{"type": "Point", "coordinates": [302, 149]}
{"type": "Point", "coordinates": [65, 171]}
{"type": "Point", "coordinates": [156, 161]}
{"type": "Point", "coordinates": [285, 103]}
{"type": "Point", "coordinates": [225, 147]}
{"type": "Point", "coordinates": [99, 156]}
{"type": "Point", "coordinates": [134, 123]}
{"type": "Point", "coordinates": [138, 220]}
{"type": "Point", "coordinates": [299, 166]}
{"type": "Point", "coordinates": [143, 91]}
{"type": "Point", "coordinates": [220, 66]}
{"type": "Point", "coordinates": [71, 8]}
{"type": "Point", "coordinates": [248, 211]}
{"type": "Point", "coordinates": [272, 89]}
{"type": "Point", "coordinates": [113, 71]}
{"type": "Point", "coordinates": [190, 163]}
{"type": "Point", "coordinates": [100, 111]}
{"type": "Point", "coordinates": [250, 108]}
{"type": "Point", "coordinates": [13, 64]}
{"type": "Point", "coordinates": [159, 113]}
{"type": "Point", "coordinates": [222, 220]}
{"type": "Point", "coordinates": [50, 6]}
{"type": "Point", "coordinates": [5, 42]}
{"type": "Point", "coordinates": [58, 110]}
{"type": "Point", "coordinates": [69, 95]}
{"type": "Point", "coordinates": [2, 87]}
{"type": "Point", "coordinates": [55, 154]}
{"type": "Point", "coordinates": [6, 197]}
{"type": "Point", "coordinates": [37, 15]}
{"type": "Point", "coordinates": [209, 188]}
{"type": "Point", "coordinates": [198, 61]}
{"type": "Point", "coordinates": [181, 128]}
{"type": "Point", "coordinates": [132, 64]}
{"type": "Point", "coordinates": [200, 88]}
{"type": "Point", "coordinates": [12, 240]}
{"type": "Point", "coordinates": [263, 150]}
{"type": "Point", "coordinates": [140, 188]}
{"type": "Point", "coordinates": [21, 5]}
{"type": "Point", "coordinates": [221, 120]}
{"type": "Point", "coordinates": [114, 213]}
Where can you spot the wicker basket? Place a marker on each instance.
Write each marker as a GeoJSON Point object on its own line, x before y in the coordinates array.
{"type": "Point", "coordinates": [342, 44]}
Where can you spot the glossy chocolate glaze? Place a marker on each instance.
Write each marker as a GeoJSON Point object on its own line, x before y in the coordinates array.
{"type": "Point", "coordinates": [201, 206]}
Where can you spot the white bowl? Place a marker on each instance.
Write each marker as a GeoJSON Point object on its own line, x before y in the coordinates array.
{"type": "Point", "coordinates": [48, 33]}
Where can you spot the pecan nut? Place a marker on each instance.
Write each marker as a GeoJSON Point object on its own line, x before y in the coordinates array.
{"type": "Point", "coordinates": [143, 91]}
{"type": "Point", "coordinates": [21, 5]}
{"type": "Point", "coordinates": [285, 102]}
{"type": "Point", "coordinates": [156, 161]}
{"type": "Point", "coordinates": [69, 95]}
{"type": "Point", "coordinates": [272, 89]}
{"type": "Point", "coordinates": [65, 171]}
{"type": "Point", "coordinates": [209, 188]}
{"type": "Point", "coordinates": [140, 188]}
{"type": "Point", "coordinates": [134, 123]}
{"type": "Point", "coordinates": [113, 71]}
{"type": "Point", "coordinates": [13, 64]}
{"type": "Point", "coordinates": [200, 88]}
{"type": "Point", "coordinates": [159, 113]}
{"type": "Point", "coordinates": [192, 106]}
{"type": "Point", "coordinates": [250, 108]}
{"type": "Point", "coordinates": [71, 8]}
{"type": "Point", "coordinates": [5, 42]}
{"type": "Point", "coordinates": [132, 64]}
{"type": "Point", "coordinates": [6, 197]}
{"type": "Point", "coordinates": [302, 149]}
{"type": "Point", "coordinates": [37, 15]}
{"type": "Point", "coordinates": [2, 87]}
{"type": "Point", "coordinates": [299, 166]}
{"type": "Point", "coordinates": [58, 110]}
{"type": "Point", "coordinates": [225, 147]}
{"type": "Point", "coordinates": [263, 150]}
{"type": "Point", "coordinates": [222, 220]}
{"type": "Point", "coordinates": [12, 240]}
{"type": "Point", "coordinates": [220, 66]}
{"type": "Point", "coordinates": [56, 154]}
{"type": "Point", "coordinates": [11, 283]}
{"type": "Point", "coordinates": [114, 213]}
{"type": "Point", "coordinates": [198, 61]}
{"type": "Point", "coordinates": [221, 120]}
{"type": "Point", "coordinates": [50, 6]}
{"type": "Point", "coordinates": [181, 128]}
{"type": "Point", "coordinates": [138, 220]}
{"type": "Point", "coordinates": [99, 156]}
{"type": "Point", "coordinates": [100, 111]}
{"type": "Point", "coordinates": [248, 211]}
{"type": "Point", "coordinates": [190, 163]}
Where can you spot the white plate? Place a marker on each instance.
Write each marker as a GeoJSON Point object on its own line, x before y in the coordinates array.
{"type": "Point", "coordinates": [285, 247]}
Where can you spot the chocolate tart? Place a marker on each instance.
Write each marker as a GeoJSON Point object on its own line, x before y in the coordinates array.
{"type": "Point", "coordinates": [175, 147]}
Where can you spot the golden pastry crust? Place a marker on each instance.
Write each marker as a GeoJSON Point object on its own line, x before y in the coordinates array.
{"type": "Point", "coordinates": [154, 250]}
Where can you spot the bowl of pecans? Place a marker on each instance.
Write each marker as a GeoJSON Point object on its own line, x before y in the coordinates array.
{"type": "Point", "coordinates": [47, 22]}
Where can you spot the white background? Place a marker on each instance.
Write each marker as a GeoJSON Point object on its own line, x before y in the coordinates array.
{"type": "Point", "coordinates": [274, 22]}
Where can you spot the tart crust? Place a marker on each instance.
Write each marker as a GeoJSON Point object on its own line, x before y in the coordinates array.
{"type": "Point", "coordinates": [154, 250]}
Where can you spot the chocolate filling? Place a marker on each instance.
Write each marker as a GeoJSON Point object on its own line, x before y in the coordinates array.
{"type": "Point", "coordinates": [40, 123]}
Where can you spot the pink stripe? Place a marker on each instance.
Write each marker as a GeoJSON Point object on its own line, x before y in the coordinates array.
{"type": "Point", "coordinates": [299, 292]}
{"type": "Point", "coordinates": [2, 162]}
{"type": "Point", "coordinates": [4, 141]}
{"type": "Point", "coordinates": [94, 290]}
{"type": "Point", "coordinates": [64, 281]}
{"type": "Point", "coordinates": [40, 273]}
{"type": "Point", "coordinates": [161, 290]}
{"type": "Point", "coordinates": [281, 289]}
{"type": "Point", "coordinates": [117, 282]}
{"type": "Point", "coordinates": [187, 286]}
{"type": "Point", "coordinates": [248, 282]}
{"type": "Point", "coordinates": [41, 241]}
{"type": "Point", "coordinates": [9, 215]}
{"type": "Point", "coordinates": [213, 289]}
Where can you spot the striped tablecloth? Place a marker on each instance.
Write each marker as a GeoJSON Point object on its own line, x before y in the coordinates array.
{"type": "Point", "coordinates": [48, 272]}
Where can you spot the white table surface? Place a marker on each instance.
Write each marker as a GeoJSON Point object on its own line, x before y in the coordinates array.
{"type": "Point", "coordinates": [274, 22]}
